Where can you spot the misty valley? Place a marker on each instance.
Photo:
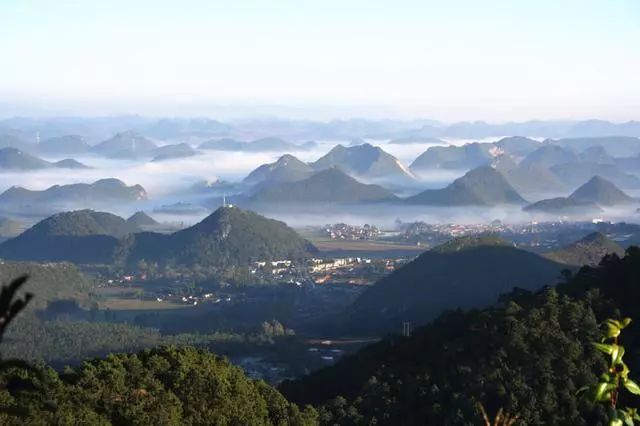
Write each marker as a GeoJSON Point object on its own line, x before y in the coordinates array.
{"type": "Point", "coordinates": [322, 258]}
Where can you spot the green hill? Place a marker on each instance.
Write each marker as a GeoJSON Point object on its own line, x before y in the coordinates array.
{"type": "Point", "coordinates": [228, 238]}
{"type": "Point", "coordinates": [82, 236]}
{"type": "Point", "coordinates": [483, 186]}
{"type": "Point", "coordinates": [528, 356]}
{"type": "Point", "coordinates": [588, 251]}
{"type": "Point", "coordinates": [49, 281]}
{"type": "Point", "coordinates": [463, 273]}
{"type": "Point", "coordinates": [327, 186]}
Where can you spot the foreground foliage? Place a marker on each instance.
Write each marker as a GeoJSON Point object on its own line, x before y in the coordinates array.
{"type": "Point", "coordinates": [616, 378]}
{"type": "Point", "coordinates": [528, 357]}
{"type": "Point", "coordinates": [164, 386]}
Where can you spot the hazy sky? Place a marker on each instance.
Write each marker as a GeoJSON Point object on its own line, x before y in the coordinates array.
{"type": "Point", "coordinates": [450, 60]}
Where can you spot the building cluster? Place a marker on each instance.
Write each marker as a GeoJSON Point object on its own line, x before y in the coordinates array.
{"type": "Point", "coordinates": [317, 265]}
{"type": "Point", "coordinates": [342, 231]}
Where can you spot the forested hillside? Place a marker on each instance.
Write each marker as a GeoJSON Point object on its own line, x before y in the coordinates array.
{"type": "Point", "coordinates": [528, 356]}
{"type": "Point", "coordinates": [165, 386]}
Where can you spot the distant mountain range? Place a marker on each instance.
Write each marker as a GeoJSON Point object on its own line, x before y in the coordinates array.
{"type": "Point", "coordinates": [574, 174]}
{"type": "Point", "coordinates": [101, 192]}
{"type": "Point", "coordinates": [330, 185]}
{"type": "Point", "coordinates": [260, 145]}
{"type": "Point", "coordinates": [588, 251]}
{"type": "Point", "coordinates": [226, 239]}
{"type": "Point", "coordinates": [365, 162]}
{"type": "Point", "coordinates": [597, 192]}
{"type": "Point", "coordinates": [483, 186]}
{"type": "Point", "coordinates": [459, 275]}
{"type": "Point", "coordinates": [14, 159]}
{"type": "Point", "coordinates": [64, 145]}
{"type": "Point", "coordinates": [98, 128]}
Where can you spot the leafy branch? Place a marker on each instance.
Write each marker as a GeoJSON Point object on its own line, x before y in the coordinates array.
{"type": "Point", "coordinates": [616, 379]}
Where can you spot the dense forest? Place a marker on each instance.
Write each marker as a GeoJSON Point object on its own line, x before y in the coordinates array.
{"type": "Point", "coordinates": [529, 356]}
{"type": "Point", "coordinates": [164, 386]}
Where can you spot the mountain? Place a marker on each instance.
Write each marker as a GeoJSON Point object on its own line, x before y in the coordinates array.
{"type": "Point", "coordinates": [14, 159]}
{"type": "Point", "coordinates": [577, 172]}
{"type": "Point", "coordinates": [103, 191]}
{"type": "Point", "coordinates": [12, 141]}
{"type": "Point", "coordinates": [467, 156]}
{"type": "Point", "coordinates": [585, 200]}
{"type": "Point", "coordinates": [588, 251]}
{"type": "Point", "coordinates": [168, 152]}
{"type": "Point", "coordinates": [462, 274]}
{"type": "Point", "coordinates": [64, 145]}
{"type": "Point", "coordinates": [174, 128]}
{"type": "Point", "coordinates": [518, 146]}
{"type": "Point", "coordinates": [327, 186]}
{"type": "Point", "coordinates": [532, 178]}
{"type": "Point", "coordinates": [125, 145]}
{"type": "Point", "coordinates": [563, 206]}
{"type": "Point", "coordinates": [286, 169]}
{"type": "Point", "coordinates": [140, 219]}
{"type": "Point", "coordinates": [596, 155]}
{"type": "Point", "coordinates": [224, 144]}
{"type": "Point", "coordinates": [82, 236]}
{"type": "Point", "coordinates": [365, 161]}
{"type": "Point", "coordinates": [483, 186]}
{"type": "Point", "coordinates": [272, 144]}
{"type": "Point", "coordinates": [471, 241]}
{"type": "Point", "coordinates": [80, 223]}
{"type": "Point", "coordinates": [70, 163]}
{"type": "Point", "coordinates": [259, 145]}
{"type": "Point", "coordinates": [617, 146]}
{"type": "Point", "coordinates": [227, 238]}
{"type": "Point", "coordinates": [407, 140]}
{"type": "Point", "coordinates": [472, 155]}
{"type": "Point", "coordinates": [549, 155]}
{"type": "Point", "coordinates": [513, 358]}
{"type": "Point", "coordinates": [602, 192]}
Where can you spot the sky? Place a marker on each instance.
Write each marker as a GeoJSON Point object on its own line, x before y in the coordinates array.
{"type": "Point", "coordinates": [495, 60]}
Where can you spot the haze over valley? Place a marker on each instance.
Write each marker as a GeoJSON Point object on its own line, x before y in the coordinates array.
{"type": "Point", "coordinates": [319, 213]}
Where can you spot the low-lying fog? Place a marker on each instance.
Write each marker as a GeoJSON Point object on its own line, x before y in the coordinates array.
{"type": "Point", "coordinates": [170, 181]}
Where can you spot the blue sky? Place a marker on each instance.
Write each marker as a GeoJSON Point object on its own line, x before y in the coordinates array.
{"type": "Point", "coordinates": [460, 59]}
